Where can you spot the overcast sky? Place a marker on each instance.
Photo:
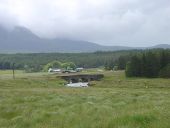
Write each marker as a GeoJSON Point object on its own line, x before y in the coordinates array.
{"type": "Point", "coordinates": [107, 22]}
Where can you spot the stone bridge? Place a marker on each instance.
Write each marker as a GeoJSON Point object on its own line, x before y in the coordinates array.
{"type": "Point", "coordinates": [75, 78]}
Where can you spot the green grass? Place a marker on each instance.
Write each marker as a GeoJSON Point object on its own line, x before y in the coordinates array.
{"type": "Point", "coordinates": [40, 100]}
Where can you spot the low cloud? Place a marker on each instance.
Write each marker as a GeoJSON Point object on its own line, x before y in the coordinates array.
{"type": "Point", "coordinates": [108, 22]}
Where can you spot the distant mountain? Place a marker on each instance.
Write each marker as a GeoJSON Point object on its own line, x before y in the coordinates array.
{"type": "Point", "coordinates": [161, 46]}
{"type": "Point", "coordinates": [23, 40]}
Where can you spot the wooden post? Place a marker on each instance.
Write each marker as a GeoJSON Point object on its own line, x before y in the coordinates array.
{"type": "Point", "coordinates": [13, 69]}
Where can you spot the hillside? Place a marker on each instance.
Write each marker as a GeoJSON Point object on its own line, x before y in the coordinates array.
{"type": "Point", "coordinates": [22, 40]}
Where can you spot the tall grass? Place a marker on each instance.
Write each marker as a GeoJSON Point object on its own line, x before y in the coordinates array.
{"type": "Point", "coordinates": [41, 101]}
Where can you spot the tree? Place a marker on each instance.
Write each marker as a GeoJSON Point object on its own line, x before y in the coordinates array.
{"type": "Point", "coordinates": [165, 71]}
{"type": "Point", "coordinates": [122, 61]}
{"type": "Point", "coordinates": [6, 65]}
{"type": "Point", "coordinates": [109, 65]}
{"type": "Point", "coordinates": [133, 67]}
{"type": "Point", "coordinates": [53, 64]}
{"type": "Point", "coordinates": [164, 58]}
{"type": "Point", "coordinates": [56, 64]}
{"type": "Point", "coordinates": [152, 65]}
{"type": "Point", "coordinates": [143, 65]}
{"type": "Point", "coordinates": [68, 65]}
{"type": "Point", "coordinates": [129, 70]}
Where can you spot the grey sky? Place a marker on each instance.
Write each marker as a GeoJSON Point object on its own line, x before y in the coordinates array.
{"type": "Point", "coordinates": [107, 22]}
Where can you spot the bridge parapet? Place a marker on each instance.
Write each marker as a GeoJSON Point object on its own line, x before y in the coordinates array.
{"type": "Point", "coordinates": [75, 78]}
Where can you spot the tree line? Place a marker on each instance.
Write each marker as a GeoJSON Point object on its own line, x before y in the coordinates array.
{"type": "Point", "coordinates": [150, 63]}
{"type": "Point", "coordinates": [138, 63]}
{"type": "Point", "coordinates": [35, 62]}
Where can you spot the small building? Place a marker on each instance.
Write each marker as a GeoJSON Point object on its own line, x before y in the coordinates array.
{"type": "Point", "coordinates": [79, 69]}
{"type": "Point", "coordinates": [55, 70]}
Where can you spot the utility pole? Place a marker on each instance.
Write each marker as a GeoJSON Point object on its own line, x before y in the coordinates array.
{"type": "Point", "coordinates": [13, 69]}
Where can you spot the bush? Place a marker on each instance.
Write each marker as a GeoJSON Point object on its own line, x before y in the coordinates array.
{"type": "Point", "coordinates": [58, 64]}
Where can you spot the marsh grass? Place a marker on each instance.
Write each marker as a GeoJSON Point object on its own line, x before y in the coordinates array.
{"type": "Point", "coordinates": [40, 100]}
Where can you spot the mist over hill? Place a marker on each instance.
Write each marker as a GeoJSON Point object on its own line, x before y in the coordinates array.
{"type": "Point", "coordinates": [22, 40]}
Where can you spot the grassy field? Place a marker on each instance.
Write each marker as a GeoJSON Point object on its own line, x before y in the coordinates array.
{"type": "Point", "coordinates": [40, 100]}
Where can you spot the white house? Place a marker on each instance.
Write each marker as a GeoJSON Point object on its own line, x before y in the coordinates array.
{"type": "Point", "coordinates": [55, 70]}
{"type": "Point", "coordinates": [79, 69]}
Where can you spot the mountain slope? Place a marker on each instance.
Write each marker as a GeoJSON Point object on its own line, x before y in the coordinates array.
{"type": "Point", "coordinates": [161, 46]}
{"type": "Point", "coordinates": [23, 40]}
